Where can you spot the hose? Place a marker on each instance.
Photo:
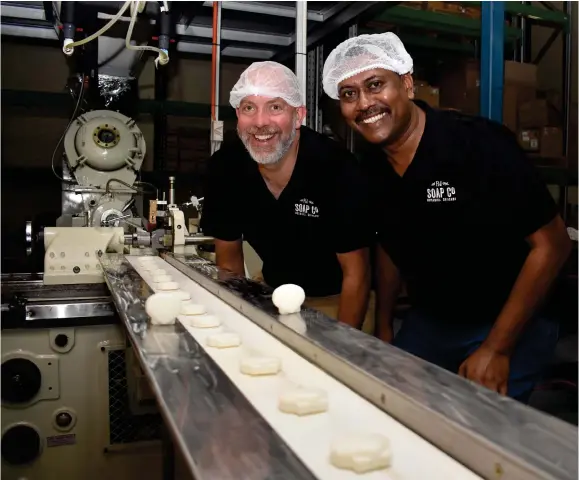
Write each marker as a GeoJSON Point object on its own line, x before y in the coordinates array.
{"type": "Point", "coordinates": [163, 57]}
{"type": "Point", "coordinates": [68, 48]}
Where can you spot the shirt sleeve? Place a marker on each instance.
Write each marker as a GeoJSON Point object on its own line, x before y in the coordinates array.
{"type": "Point", "coordinates": [351, 219]}
{"type": "Point", "coordinates": [219, 218]}
{"type": "Point", "coordinates": [520, 196]}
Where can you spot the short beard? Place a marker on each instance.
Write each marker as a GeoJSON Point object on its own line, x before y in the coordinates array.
{"type": "Point", "coordinates": [271, 157]}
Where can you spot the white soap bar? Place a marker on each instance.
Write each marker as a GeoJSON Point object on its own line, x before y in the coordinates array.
{"type": "Point", "coordinates": [163, 308]}
{"type": "Point", "coordinates": [183, 295]}
{"type": "Point", "coordinates": [361, 452]}
{"type": "Point", "coordinates": [159, 271]}
{"type": "Point", "coordinates": [288, 298]}
{"type": "Point", "coordinates": [303, 401]}
{"type": "Point", "coordinates": [192, 309]}
{"type": "Point", "coordinates": [223, 340]}
{"type": "Point", "coordinates": [162, 278]}
{"type": "Point", "coordinates": [169, 286]}
{"type": "Point", "coordinates": [260, 365]}
{"type": "Point", "coordinates": [203, 321]}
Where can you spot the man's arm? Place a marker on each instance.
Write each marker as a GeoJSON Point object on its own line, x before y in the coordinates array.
{"type": "Point", "coordinates": [489, 364]}
{"type": "Point", "coordinates": [550, 249]}
{"type": "Point", "coordinates": [524, 207]}
{"type": "Point", "coordinates": [355, 287]}
{"type": "Point", "coordinates": [229, 256]}
{"type": "Point", "coordinates": [388, 285]}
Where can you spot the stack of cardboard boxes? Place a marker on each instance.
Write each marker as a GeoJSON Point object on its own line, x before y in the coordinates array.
{"type": "Point", "coordinates": [427, 93]}
{"type": "Point", "coordinates": [535, 121]}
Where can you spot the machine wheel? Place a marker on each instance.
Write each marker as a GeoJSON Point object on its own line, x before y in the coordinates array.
{"type": "Point", "coordinates": [20, 445]}
{"type": "Point", "coordinates": [21, 380]}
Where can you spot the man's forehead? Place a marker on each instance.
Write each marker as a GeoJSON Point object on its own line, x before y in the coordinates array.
{"type": "Point", "coordinates": [261, 100]}
{"type": "Point", "coordinates": [364, 76]}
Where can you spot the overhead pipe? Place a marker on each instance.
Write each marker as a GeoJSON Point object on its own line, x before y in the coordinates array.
{"type": "Point", "coordinates": [301, 46]}
{"type": "Point", "coordinates": [216, 124]}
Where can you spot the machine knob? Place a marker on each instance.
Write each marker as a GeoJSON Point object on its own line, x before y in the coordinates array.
{"type": "Point", "coordinates": [63, 419]}
{"type": "Point", "coordinates": [21, 380]}
{"type": "Point", "coordinates": [61, 340]}
{"type": "Point", "coordinates": [20, 445]}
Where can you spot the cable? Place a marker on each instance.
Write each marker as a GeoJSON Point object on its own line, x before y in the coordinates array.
{"type": "Point", "coordinates": [80, 95]}
{"type": "Point", "coordinates": [138, 190]}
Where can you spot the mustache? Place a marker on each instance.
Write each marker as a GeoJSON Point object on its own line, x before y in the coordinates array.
{"type": "Point", "coordinates": [373, 111]}
{"type": "Point", "coordinates": [261, 131]}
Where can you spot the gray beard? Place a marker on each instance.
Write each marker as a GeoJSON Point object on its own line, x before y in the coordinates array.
{"type": "Point", "coordinates": [272, 157]}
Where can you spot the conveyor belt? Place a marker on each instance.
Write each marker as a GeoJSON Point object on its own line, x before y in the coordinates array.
{"type": "Point", "coordinates": [310, 437]}
{"type": "Point", "coordinates": [493, 436]}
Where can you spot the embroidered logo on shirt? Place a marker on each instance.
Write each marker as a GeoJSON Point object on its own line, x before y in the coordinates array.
{"type": "Point", "coordinates": [306, 208]}
{"type": "Point", "coordinates": [440, 192]}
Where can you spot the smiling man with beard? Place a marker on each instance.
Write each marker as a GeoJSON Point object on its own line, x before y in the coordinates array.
{"type": "Point", "coordinates": [295, 196]}
{"type": "Point", "coordinates": [462, 217]}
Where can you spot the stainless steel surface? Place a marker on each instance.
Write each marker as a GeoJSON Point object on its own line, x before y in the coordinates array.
{"type": "Point", "coordinates": [494, 436]}
{"type": "Point", "coordinates": [218, 431]}
{"type": "Point", "coordinates": [66, 309]}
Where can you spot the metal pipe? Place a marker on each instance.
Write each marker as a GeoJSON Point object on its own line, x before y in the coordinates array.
{"type": "Point", "coordinates": [197, 239]}
{"type": "Point", "coordinates": [567, 50]}
{"type": "Point", "coordinates": [215, 77]}
{"type": "Point", "coordinates": [171, 190]}
{"type": "Point", "coordinates": [301, 46]}
{"type": "Point", "coordinates": [350, 139]}
{"type": "Point", "coordinates": [525, 52]}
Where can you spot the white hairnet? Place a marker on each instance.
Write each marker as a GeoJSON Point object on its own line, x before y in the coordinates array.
{"type": "Point", "coordinates": [362, 53]}
{"type": "Point", "coordinates": [267, 79]}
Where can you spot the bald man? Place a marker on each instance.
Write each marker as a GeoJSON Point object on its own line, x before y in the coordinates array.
{"type": "Point", "coordinates": [295, 196]}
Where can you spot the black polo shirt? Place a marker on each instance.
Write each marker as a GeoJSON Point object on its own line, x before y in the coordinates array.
{"type": "Point", "coordinates": [322, 211]}
{"type": "Point", "coordinates": [455, 223]}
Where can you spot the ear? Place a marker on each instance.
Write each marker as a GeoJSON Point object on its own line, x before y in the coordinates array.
{"type": "Point", "coordinates": [237, 112]}
{"type": "Point", "coordinates": [301, 114]}
{"type": "Point", "coordinates": [408, 85]}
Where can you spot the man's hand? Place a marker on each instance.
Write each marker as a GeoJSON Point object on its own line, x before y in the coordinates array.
{"type": "Point", "coordinates": [355, 287]}
{"type": "Point", "coordinates": [488, 368]}
{"type": "Point", "coordinates": [385, 333]}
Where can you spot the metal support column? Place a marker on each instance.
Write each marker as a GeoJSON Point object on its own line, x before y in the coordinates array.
{"type": "Point", "coordinates": [492, 60]}
{"type": "Point", "coordinates": [567, 73]}
{"type": "Point", "coordinates": [216, 124]}
{"type": "Point", "coordinates": [301, 48]}
{"type": "Point", "coordinates": [350, 143]}
{"type": "Point", "coordinates": [314, 88]}
{"type": "Point", "coordinates": [160, 121]}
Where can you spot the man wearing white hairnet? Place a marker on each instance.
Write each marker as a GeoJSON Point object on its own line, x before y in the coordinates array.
{"type": "Point", "coordinates": [295, 196]}
{"type": "Point", "coordinates": [461, 216]}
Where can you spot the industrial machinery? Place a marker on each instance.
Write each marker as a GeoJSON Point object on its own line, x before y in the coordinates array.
{"type": "Point", "coordinates": [102, 202]}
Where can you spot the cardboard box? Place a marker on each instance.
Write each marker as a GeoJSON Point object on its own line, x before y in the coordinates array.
{"type": "Point", "coordinates": [459, 86]}
{"type": "Point", "coordinates": [515, 95]}
{"type": "Point", "coordinates": [551, 142]}
{"type": "Point", "coordinates": [529, 140]}
{"type": "Point", "coordinates": [538, 113]}
{"type": "Point", "coordinates": [427, 93]}
{"type": "Point", "coordinates": [453, 9]}
{"type": "Point", "coordinates": [521, 73]}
